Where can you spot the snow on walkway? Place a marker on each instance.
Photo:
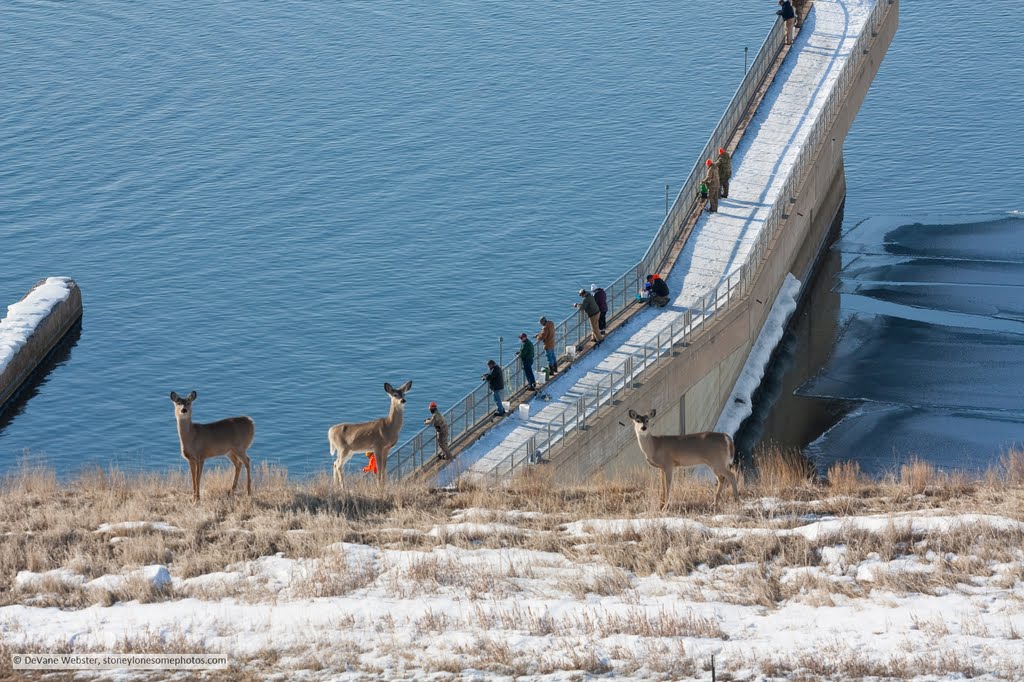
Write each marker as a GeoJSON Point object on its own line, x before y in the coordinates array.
{"type": "Point", "coordinates": [720, 243]}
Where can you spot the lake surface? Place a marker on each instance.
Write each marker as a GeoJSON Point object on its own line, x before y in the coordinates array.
{"type": "Point", "coordinates": [284, 205]}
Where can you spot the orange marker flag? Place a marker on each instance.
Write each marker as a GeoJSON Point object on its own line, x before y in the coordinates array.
{"type": "Point", "coordinates": [372, 466]}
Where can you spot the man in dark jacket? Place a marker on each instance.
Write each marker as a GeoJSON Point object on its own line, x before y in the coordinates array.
{"type": "Point", "coordinates": [789, 16]}
{"type": "Point", "coordinates": [602, 304]}
{"type": "Point", "coordinates": [496, 382]}
{"type": "Point", "coordinates": [724, 170]}
{"type": "Point", "coordinates": [659, 291]}
{"type": "Point", "coordinates": [526, 357]}
{"type": "Point", "coordinates": [593, 313]}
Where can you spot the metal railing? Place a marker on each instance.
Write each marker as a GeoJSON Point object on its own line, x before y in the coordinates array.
{"type": "Point", "coordinates": [691, 323]}
{"type": "Point", "coordinates": [478, 405]}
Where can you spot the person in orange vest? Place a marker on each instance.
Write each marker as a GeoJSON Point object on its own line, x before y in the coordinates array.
{"type": "Point", "coordinates": [371, 467]}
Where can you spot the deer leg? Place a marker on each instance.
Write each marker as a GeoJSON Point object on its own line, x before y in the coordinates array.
{"type": "Point", "coordinates": [382, 465]}
{"type": "Point", "coordinates": [195, 482]}
{"type": "Point", "coordinates": [248, 473]}
{"type": "Point", "coordinates": [199, 476]}
{"type": "Point", "coordinates": [666, 485]}
{"type": "Point", "coordinates": [233, 456]}
{"type": "Point", "coordinates": [339, 468]}
{"type": "Point", "coordinates": [718, 490]}
{"type": "Point", "coordinates": [731, 477]}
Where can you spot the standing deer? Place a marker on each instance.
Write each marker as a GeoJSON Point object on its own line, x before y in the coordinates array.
{"type": "Point", "coordinates": [200, 442]}
{"type": "Point", "coordinates": [379, 436]}
{"type": "Point", "coordinates": [716, 450]}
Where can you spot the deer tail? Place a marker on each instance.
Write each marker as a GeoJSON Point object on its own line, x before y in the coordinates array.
{"type": "Point", "coordinates": [732, 451]}
{"type": "Point", "coordinates": [330, 441]}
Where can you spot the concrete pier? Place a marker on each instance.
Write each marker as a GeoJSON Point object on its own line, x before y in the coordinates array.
{"type": "Point", "coordinates": [32, 328]}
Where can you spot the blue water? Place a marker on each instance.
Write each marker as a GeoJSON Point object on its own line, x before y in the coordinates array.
{"type": "Point", "coordinates": [284, 205]}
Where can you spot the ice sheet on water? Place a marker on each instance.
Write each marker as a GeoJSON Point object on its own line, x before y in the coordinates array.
{"type": "Point", "coordinates": [880, 358]}
{"type": "Point", "coordinates": [973, 238]}
{"type": "Point", "coordinates": [974, 287]}
{"type": "Point", "coordinates": [880, 437]}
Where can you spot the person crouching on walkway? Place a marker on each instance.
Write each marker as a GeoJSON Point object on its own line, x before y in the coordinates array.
{"type": "Point", "coordinates": [526, 357]}
{"type": "Point", "coordinates": [441, 427]}
{"type": "Point", "coordinates": [590, 309]}
{"type": "Point", "coordinates": [547, 337]}
{"type": "Point", "coordinates": [724, 170]}
{"type": "Point", "coordinates": [658, 292]}
{"type": "Point", "coordinates": [788, 15]}
{"type": "Point", "coordinates": [714, 187]}
{"type": "Point", "coordinates": [496, 382]}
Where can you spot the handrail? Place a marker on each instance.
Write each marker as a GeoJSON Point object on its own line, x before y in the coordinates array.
{"type": "Point", "coordinates": [689, 324]}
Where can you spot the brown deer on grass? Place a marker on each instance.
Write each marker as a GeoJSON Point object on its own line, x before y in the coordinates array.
{"type": "Point", "coordinates": [713, 449]}
{"type": "Point", "coordinates": [378, 436]}
{"type": "Point", "coordinates": [200, 442]}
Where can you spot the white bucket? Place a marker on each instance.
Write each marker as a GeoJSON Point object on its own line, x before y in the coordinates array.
{"type": "Point", "coordinates": [506, 405]}
{"type": "Point", "coordinates": [571, 352]}
{"type": "Point", "coordinates": [524, 411]}
{"type": "Point", "coordinates": [539, 376]}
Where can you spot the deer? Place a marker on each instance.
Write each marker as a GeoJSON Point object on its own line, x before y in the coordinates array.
{"type": "Point", "coordinates": [378, 436]}
{"type": "Point", "coordinates": [711, 448]}
{"type": "Point", "coordinates": [200, 442]}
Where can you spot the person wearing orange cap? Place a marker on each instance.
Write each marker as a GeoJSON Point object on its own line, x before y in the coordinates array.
{"type": "Point", "coordinates": [714, 186]}
{"type": "Point", "coordinates": [441, 427]}
{"type": "Point", "coordinates": [371, 467]}
{"type": "Point", "coordinates": [724, 170]}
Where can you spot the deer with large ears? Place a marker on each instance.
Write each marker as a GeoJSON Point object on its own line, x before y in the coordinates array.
{"type": "Point", "coordinates": [713, 449]}
{"type": "Point", "coordinates": [200, 442]}
{"type": "Point", "coordinates": [378, 436]}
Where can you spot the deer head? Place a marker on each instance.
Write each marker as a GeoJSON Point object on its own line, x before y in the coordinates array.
{"type": "Point", "coordinates": [183, 406]}
{"type": "Point", "coordinates": [640, 421]}
{"type": "Point", "coordinates": [397, 394]}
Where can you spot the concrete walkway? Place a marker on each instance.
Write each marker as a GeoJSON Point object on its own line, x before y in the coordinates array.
{"type": "Point", "coordinates": [720, 243]}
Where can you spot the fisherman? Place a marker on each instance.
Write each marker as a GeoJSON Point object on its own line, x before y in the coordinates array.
{"type": "Point", "coordinates": [589, 307]}
{"type": "Point", "coordinates": [788, 15]}
{"type": "Point", "coordinates": [724, 170]}
{"type": "Point", "coordinates": [526, 357]}
{"type": "Point", "coordinates": [658, 294]}
{"type": "Point", "coordinates": [602, 304]}
{"type": "Point", "coordinates": [714, 187]}
{"type": "Point", "coordinates": [371, 467]}
{"type": "Point", "coordinates": [547, 337]}
{"type": "Point", "coordinates": [496, 382]}
{"type": "Point", "coordinates": [441, 427]}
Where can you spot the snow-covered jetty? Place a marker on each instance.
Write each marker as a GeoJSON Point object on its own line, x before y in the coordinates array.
{"type": "Point", "coordinates": [32, 327]}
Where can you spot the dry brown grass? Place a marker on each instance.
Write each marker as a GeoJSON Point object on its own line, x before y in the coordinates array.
{"type": "Point", "coordinates": [47, 524]}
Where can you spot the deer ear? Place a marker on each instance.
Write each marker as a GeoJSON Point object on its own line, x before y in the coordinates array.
{"type": "Point", "coordinates": [192, 396]}
{"type": "Point", "coordinates": [388, 388]}
{"type": "Point", "coordinates": [174, 396]}
{"type": "Point", "coordinates": [651, 415]}
{"type": "Point", "coordinates": [632, 414]}
{"type": "Point", "coordinates": [406, 387]}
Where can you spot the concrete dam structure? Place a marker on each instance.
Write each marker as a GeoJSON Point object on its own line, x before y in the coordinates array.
{"type": "Point", "coordinates": [785, 127]}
